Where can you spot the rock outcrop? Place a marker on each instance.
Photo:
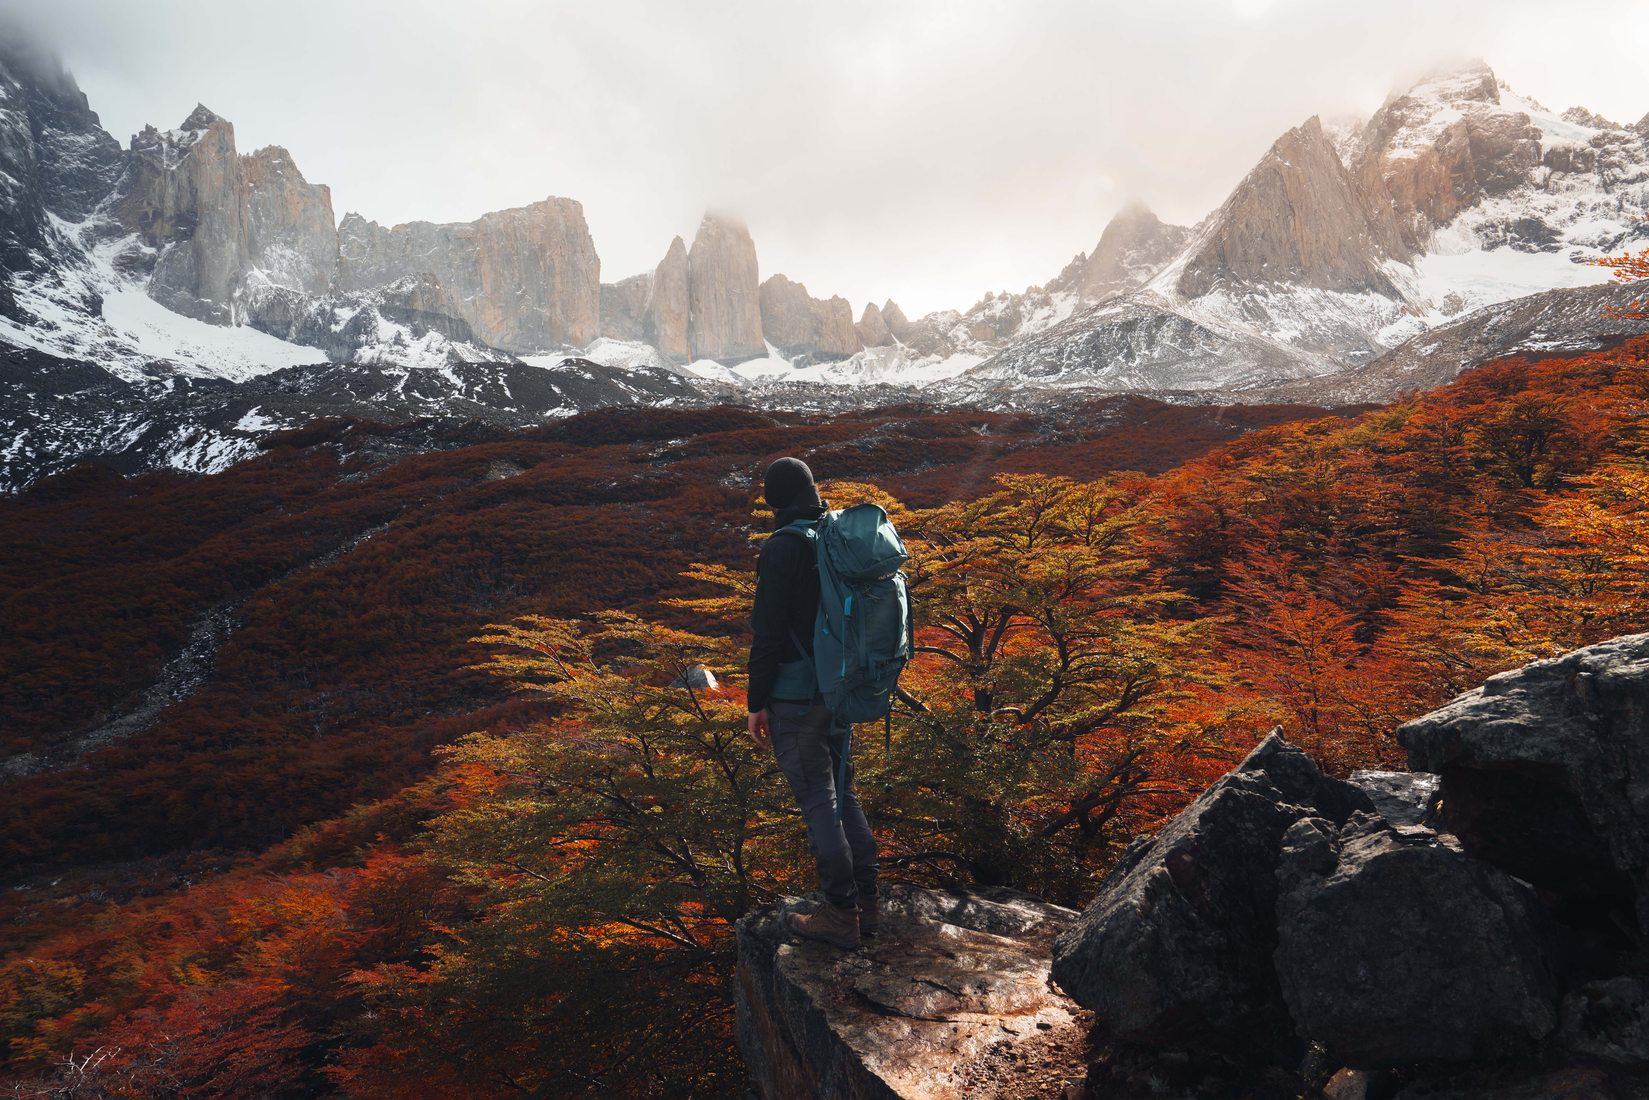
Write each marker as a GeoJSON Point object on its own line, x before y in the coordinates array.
{"type": "Point", "coordinates": [952, 1000]}
{"type": "Point", "coordinates": [216, 225]}
{"type": "Point", "coordinates": [669, 310]}
{"type": "Point", "coordinates": [1394, 948]}
{"type": "Point", "coordinates": [1176, 950]}
{"type": "Point", "coordinates": [1442, 146]}
{"type": "Point", "coordinates": [292, 236]}
{"type": "Point", "coordinates": [71, 162]}
{"type": "Point", "coordinates": [803, 327]}
{"type": "Point", "coordinates": [895, 320]}
{"type": "Point", "coordinates": [1470, 930]}
{"type": "Point", "coordinates": [528, 278]}
{"type": "Point", "coordinates": [415, 317]}
{"type": "Point", "coordinates": [183, 194]}
{"type": "Point", "coordinates": [1545, 772]}
{"type": "Point", "coordinates": [723, 293]}
{"type": "Point", "coordinates": [1299, 218]}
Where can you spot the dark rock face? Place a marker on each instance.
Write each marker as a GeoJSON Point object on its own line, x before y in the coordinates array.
{"type": "Point", "coordinates": [1545, 773]}
{"type": "Point", "coordinates": [1608, 1020]}
{"type": "Point", "coordinates": [1176, 949]}
{"type": "Point", "coordinates": [75, 160]}
{"type": "Point", "coordinates": [952, 1000]}
{"type": "Point", "coordinates": [345, 325]}
{"type": "Point", "coordinates": [1394, 948]}
{"type": "Point", "coordinates": [55, 158]}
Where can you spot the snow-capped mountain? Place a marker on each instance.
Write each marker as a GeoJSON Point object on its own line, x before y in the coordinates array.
{"type": "Point", "coordinates": [1456, 195]}
{"type": "Point", "coordinates": [177, 278]}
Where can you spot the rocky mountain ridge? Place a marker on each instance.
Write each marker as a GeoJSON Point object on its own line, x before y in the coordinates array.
{"type": "Point", "coordinates": [1320, 275]}
{"type": "Point", "coordinates": [1458, 194]}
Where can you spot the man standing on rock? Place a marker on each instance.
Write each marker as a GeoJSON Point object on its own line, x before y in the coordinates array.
{"type": "Point", "coordinates": [788, 715]}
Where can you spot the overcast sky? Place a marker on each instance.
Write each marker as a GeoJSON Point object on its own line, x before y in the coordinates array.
{"type": "Point", "coordinates": [927, 151]}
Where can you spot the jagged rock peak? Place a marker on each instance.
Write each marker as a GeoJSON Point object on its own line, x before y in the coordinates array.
{"type": "Point", "coordinates": [1459, 82]}
{"type": "Point", "coordinates": [1300, 218]}
{"type": "Point", "coordinates": [277, 160]}
{"type": "Point", "coordinates": [895, 319]}
{"type": "Point", "coordinates": [669, 306]}
{"type": "Point", "coordinates": [873, 330]}
{"type": "Point", "coordinates": [723, 288]}
{"type": "Point", "coordinates": [1580, 116]}
{"type": "Point", "coordinates": [200, 118]}
{"type": "Point", "coordinates": [53, 148]}
{"type": "Point", "coordinates": [1444, 145]}
{"type": "Point", "coordinates": [1136, 244]}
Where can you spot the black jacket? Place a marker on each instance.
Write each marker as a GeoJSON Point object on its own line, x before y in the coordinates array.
{"type": "Point", "coordinates": [787, 600]}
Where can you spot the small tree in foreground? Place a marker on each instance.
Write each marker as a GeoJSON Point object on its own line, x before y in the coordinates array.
{"type": "Point", "coordinates": [610, 850]}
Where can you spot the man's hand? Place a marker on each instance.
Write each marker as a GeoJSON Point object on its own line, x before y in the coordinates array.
{"type": "Point", "coordinates": [758, 729]}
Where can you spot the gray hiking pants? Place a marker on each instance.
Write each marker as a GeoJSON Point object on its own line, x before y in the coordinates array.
{"type": "Point", "coordinates": [809, 752]}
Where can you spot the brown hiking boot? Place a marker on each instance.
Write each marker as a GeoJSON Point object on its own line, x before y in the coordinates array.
{"type": "Point", "coordinates": [839, 927]}
{"type": "Point", "coordinates": [870, 914]}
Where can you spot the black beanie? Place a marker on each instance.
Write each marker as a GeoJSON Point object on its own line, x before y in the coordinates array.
{"type": "Point", "coordinates": [788, 482]}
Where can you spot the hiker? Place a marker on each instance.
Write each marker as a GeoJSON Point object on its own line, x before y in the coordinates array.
{"type": "Point", "coordinates": [788, 713]}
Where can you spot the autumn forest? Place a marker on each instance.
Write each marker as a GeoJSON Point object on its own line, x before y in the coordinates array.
{"type": "Point", "coordinates": [390, 771]}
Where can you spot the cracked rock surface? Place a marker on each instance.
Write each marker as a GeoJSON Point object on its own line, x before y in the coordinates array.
{"type": "Point", "coordinates": [953, 999]}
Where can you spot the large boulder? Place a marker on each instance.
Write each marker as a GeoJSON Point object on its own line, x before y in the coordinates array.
{"type": "Point", "coordinates": [951, 1000]}
{"type": "Point", "coordinates": [1545, 773]}
{"type": "Point", "coordinates": [1394, 948]}
{"type": "Point", "coordinates": [1176, 949]}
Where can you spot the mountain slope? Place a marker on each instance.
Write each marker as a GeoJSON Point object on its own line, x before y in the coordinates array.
{"type": "Point", "coordinates": [1457, 194]}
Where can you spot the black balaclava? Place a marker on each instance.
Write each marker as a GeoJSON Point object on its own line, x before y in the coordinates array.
{"type": "Point", "coordinates": [789, 483]}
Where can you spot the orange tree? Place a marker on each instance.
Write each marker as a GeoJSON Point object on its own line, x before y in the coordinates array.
{"type": "Point", "coordinates": [1033, 729]}
{"type": "Point", "coordinates": [609, 852]}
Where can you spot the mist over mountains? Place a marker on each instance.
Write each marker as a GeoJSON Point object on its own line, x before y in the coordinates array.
{"type": "Point", "coordinates": [178, 256]}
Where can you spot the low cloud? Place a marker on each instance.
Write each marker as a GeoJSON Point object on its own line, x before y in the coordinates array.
{"type": "Point", "coordinates": [926, 151]}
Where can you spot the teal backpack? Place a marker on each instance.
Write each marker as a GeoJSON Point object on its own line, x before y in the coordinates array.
{"type": "Point", "coordinates": [864, 634]}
